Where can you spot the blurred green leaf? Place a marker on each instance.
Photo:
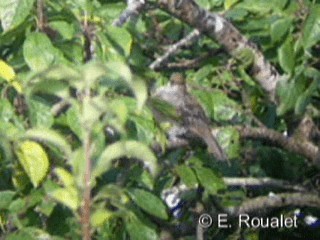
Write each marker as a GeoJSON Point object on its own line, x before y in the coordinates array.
{"type": "Point", "coordinates": [6, 198]}
{"type": "Point", "coordinates": [187, 176]}
{"type": "Point", "coordinates": [138, 230]}
{"type": "Point", "coordinates": [14, 12]}
{"type": "Point", "coordinates": [65, 29]}
{"type": "Point", "coordinates": [229, 3]}
{"type": "Point", "coordinates": [65, 177]}
{"type": "Point", "coordinates": [100, 216]}
{"type": "Point", "coordinates": [49, 137]}
{"type": "Point", "coordinates": [149, 202]}
{"type": "Point", "coordinates": [34, 161]}
{"type": "Point", "coordinates": [66, 196]}
{"type": "Point", "coordinates": [280, 29]}
{"type": "Point", "coordinates": [288, 92]}
{"type": "Point", "coordinates": [286, 56]}
{"type": "Point", "coordinates": [131, 149]}
{"type": "Point", "coordinates": [40, 113]}
{"type": "Point", "coordinates": [209, 179]}
{"type": "Point", "coordinates": [311, 30]}
{"type": "Point", "coordinates": [39, 53]}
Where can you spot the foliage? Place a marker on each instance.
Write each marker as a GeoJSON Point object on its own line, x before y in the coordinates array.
{"type": "Point", "coordinates": [68, 124]}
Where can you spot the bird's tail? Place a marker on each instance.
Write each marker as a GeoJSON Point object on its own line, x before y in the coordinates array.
{"type": "Point", "coordinates": [212, 144]}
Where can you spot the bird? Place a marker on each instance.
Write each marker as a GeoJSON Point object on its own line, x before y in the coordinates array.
{"type": "Point", "coordinates": [192, 121]}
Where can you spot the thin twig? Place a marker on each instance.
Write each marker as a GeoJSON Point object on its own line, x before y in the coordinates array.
{"type": "Point", "coordinates": [174, 49]}
{"type": "Point", "coordinates": [133, 10]}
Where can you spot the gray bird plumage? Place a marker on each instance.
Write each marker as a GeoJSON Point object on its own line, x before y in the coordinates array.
{"type": "Point", "coordinates": [194, 121]}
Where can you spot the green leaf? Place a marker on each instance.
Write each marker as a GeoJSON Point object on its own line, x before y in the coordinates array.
{"type": "Point", "coordinates": [138, 230]}
{"type": "Point", "coordinates": [139, 89]}
{"type": "Point", "coordinates": [66, 196]}
{"type": "Point", "coordinates": [34, 161]}
{"type": "Point", "coordinates": [187, 176]}
{"type": "Point", "coordinates": [305, 98]}
{"type": "Point", "coordinates": [311, 30]}
{"type": "Point", "coordinates": [149, 202]}
{"type": "Point", "coordinates": [6, 198]}
{"type": "Point", "coordinates": [229, 140]}
{"type": "Point", "coordinates": [209, 179]}
{"type": "Point", "coordinates": [39, 53]}
{"type": "Point", "coordinates": [229, 3]}
{"type": "Point", "coordinates": [49, 137]}
{"type": "Point", "coordinates": [14, 12]}
{"type": "Point", "coordinates": [280, 29]}
{"type": "Point", "coordinates": [100, 216]}
{"type": "Point", "coordinates": [40, 113]}
{"type": "Point", "coordinates": [286, 56]}
{"type": "Point", "coordinates": [6, 110]}
{"type": "Point", "coordinates": [288, 92]}
{"type": "Point", "coordinates": [65, 29]}
{"type": "Point", "coordinates": [73, 119]}
{"type": "Point", "coordinates": [131, 149]}
{"type": "Point", "coordinates": [7, 73]}
{"type": "Point", "coordinates": [120, 39]}
{"type": "Point", "coordinates": [65, 177]}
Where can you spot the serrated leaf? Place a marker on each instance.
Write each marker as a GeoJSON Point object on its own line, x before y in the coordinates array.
{"type": "Point", "coordinates": [34, 161]}
{"type": "Point", "coordinates": [131, 149]}
{"type": "Point", "coordinates": [187, 176]}
{"type": "Point", "coordinates": [209, 179]}
{"type": "Point", "coordinates": [49, 137]}
{"type": "Point", "coordinates": [311, 30]}
{"type": "Point", "coordinates": [14, 12]}
{"type": "Point", "coordinates": [138, 230]}
{"type": "Point", "coordinates": [39, 53]}
{"type": "Point", "coordinates": [286, 56]}
{"type": "Point", "coordinates": [149, 202]}
{"type": "Point", "coordinates": [280, 29]}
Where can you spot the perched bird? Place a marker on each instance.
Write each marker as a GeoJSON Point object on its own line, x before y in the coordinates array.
{"type": "Point", "coordinates": [192, 121]}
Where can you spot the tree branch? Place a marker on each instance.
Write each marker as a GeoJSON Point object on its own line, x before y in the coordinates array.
{"type": "Point", "coordinates": [174, 49]}
{"type": "Point", "coordinates": [218, 28]}
{"type": "Point", "coordinates": [296, 145]}
{"type": "Point", "coordinates": [262, 205]}
{"type": "Point", "coordinates": [251, 182]}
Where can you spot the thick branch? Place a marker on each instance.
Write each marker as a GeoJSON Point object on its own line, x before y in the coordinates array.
{"type": "Point", "coordinates": [293, 144]}
{"type": "Point", "coordinates": [262, 205]}
{"type": "Point", "coordinates": [219, 29]}
{"type": "Point", "coordinates": [251, 182]}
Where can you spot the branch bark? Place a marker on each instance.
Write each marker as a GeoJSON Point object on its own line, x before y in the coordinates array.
{"type": "Point", "coordinates": [251, 182]}
{"type": "Point", "coordinates": [262, 205]}
{"type": "Point", "coordinates": [218, 28]}
{"type": "Point", "coordinates": [293, 144]}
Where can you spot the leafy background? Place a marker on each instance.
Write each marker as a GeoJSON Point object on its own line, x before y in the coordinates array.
{"type": "Point", "coordinates": [69, 125]}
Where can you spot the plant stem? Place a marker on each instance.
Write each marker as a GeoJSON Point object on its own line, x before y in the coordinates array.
{"type": "Point", "coordinates": [86, 211]}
